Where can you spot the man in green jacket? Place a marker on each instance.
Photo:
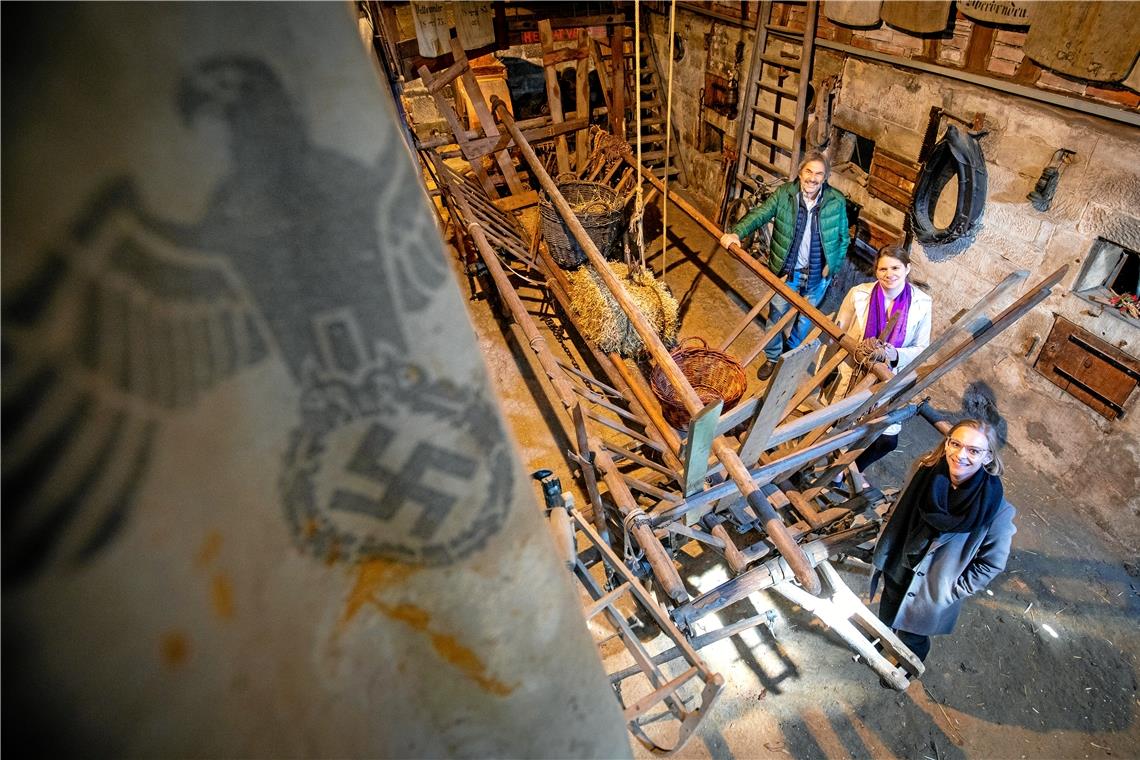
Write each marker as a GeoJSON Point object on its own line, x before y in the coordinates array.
{"type": "Point", "coordinates": [810, 236]}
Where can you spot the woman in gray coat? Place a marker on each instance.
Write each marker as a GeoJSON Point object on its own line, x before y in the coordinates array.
{"type": "Point", "coordinates": [947, 538]}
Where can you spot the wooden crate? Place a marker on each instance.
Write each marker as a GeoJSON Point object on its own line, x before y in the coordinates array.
{"type": "Point", "coordinates": [892, 179]}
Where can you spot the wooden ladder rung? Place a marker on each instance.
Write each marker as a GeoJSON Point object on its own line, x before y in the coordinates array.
{"type": "Point", "coordinates": [784, 63]}
{"type": "Point", "coordinates": [795, 35]}
{"type": "Point", "coordinates": [769, 141]}
{"type": "Point", "coordinates": [600, 604]}
{"type": "Point", "coordinates": [789, 92]}
{"type": "Point", "coordinates": [765, 166]}
{"type": "Point", "coordinates": [771, 116]}
{"type": "Point", "coordinates": [643, 705]}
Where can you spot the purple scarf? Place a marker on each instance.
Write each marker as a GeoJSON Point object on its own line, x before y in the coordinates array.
{"type": "Point", "coordinates": [877, 316]}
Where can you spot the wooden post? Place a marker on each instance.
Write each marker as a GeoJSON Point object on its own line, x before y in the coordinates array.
{"type": "Point", "coordinates": [617, 76]}
{"type": "Point", "coordinates": [582, 100]}
{"type": "Point", "coordinates": [553, 93]}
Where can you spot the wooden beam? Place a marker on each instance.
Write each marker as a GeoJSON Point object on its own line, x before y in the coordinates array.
{"type": "Point", "coordinates": [554, 96]}
{"type": "Point", "coordinates": [702, 430]}
{"type": "Point", "coordinates": [789, 369]}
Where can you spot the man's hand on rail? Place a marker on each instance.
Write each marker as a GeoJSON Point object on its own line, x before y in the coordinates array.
{"type": "Point", "coordinates": [729, 239]}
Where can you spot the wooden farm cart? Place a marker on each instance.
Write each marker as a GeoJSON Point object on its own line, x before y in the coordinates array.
{"type": "Point", "coordinates": [762, 499]}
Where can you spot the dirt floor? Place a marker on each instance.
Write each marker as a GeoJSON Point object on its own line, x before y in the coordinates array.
{"type": "Point", "coordinates": [1042, 666]}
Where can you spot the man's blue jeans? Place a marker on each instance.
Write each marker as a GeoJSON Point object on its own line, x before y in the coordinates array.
{"type": "Point", "coordinates": [801, 325]}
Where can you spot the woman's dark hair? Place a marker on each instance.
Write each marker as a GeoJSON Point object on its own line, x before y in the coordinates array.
{"type": "Point", "coordinates": [993, 467]}
{"type": "Point", "coordinates": [895, 251]}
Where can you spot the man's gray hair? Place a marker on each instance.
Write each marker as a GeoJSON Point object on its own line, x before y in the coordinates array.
{"type": "Point", "coordinates": [816, 155]}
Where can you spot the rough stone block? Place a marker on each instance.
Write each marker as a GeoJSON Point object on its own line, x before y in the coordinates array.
{"type": "Point", "coordinates": [1067, 247]}
{"type": "Point", "coordinates": [1111, 224]}
{"type": "Point", "coordinates": [1044, 234]}
{"type": "Point", "coordinates": [950, 55]}
{"type": "Point", "coordinates": [1017, 221]}
{"type": "Point", "coordinates": [1112, 181]}
{"type": "Point", "coordinates": [978, 264]}
{"type": "Point", "coordinates": [898, 97]}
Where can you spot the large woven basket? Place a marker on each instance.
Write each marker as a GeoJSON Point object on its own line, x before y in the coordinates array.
{"type": "Point", "coordinates": [713, 375]}
{"type": "Point", "coordinates": [599, 210]}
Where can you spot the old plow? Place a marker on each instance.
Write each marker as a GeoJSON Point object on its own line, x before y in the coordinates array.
{"type": "Point", "coordinates": [752, 487]}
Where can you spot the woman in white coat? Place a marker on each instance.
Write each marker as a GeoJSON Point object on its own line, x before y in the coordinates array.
{"type": "Point", "coordinates": [864, 315]}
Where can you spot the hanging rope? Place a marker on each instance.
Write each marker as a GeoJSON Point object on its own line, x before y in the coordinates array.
{"type": "Point", "coordinates": [639, 206]}
{"type": "Point", "coordinates": [668, 136]}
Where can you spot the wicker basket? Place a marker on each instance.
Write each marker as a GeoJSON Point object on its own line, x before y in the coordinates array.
{"type": "Point", "coordinates": [713, 375]}
{"type": "Point", "coordinates": [601, 213]}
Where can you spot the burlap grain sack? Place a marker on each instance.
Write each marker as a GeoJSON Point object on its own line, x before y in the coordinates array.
{"type": "Point", "coordinates": [259, 499]}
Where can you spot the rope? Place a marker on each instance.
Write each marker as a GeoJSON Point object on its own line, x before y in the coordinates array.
{"type": "Point", "coordinates": [627, 522]}
{"type": "Point", "coordinates": [639, 207]}
{"type": "Point", "coordinates": [668, 136]}
{"type": "Point", "coordinates": [868, 352]}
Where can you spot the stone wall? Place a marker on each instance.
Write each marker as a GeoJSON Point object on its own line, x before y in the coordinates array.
{"type": "Point", "coordinates": [1098, 196]}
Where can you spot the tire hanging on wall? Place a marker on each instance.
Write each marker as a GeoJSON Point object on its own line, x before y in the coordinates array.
{"type": "Point", "coordinates": [956, 154]}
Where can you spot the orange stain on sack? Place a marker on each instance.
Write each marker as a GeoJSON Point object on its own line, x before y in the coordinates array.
{"type": "Point", "coordinates": [447, 647]}
{"type": "Point", "coordinates": [376, 575]}
{"type": "Point", "coordinates": [372, 577]}
{"type": "Point", "coordinates": [222, 596]}
{"type": "Point", "coordinates": [467, 662]}
{"type": "Point", "coordinates": [174, 648]}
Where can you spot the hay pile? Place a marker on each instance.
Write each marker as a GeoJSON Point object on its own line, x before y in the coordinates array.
{"type": "Point", "coordinates": [602, 321]}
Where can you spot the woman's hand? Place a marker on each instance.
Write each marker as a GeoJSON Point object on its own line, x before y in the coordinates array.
{"type": "Point", "coordinates": [729, 239]}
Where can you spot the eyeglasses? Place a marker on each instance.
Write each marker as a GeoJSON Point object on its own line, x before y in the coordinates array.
{"type": "Point", "coordinates": [972, 452]}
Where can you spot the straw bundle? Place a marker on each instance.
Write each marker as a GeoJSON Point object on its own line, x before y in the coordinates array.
{"type": "Point", "coordinates": [601, 320]}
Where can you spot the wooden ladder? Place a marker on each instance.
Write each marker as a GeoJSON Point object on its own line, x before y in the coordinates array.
{"type": "Point", "coordinates": [653, 121]}
{"type": "Point", "coordinates": [774, 116]}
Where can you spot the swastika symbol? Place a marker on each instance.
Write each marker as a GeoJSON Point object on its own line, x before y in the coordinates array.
{"type": "Point", "coordinates": [404, 484]}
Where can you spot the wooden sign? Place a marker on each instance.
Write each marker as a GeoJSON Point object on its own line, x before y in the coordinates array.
{"type": "Point", "coordinates": [919, 16]}
{"type": "Point", "coordinates": [996, 11]}
{"type": "Point", "coordinates": [474, 24]}
{"type": "Point", "coordinates": [1094, 41]}
{"type": "Point", "coordinates": [433, 28]}
{"type": "Point", "coordinates": [853, 12]}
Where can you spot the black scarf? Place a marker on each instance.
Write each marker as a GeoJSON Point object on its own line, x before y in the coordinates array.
{"type": "Point", "coordinates": [971, 505]}
{"type": "Point", "coordinates": [930, 507]}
